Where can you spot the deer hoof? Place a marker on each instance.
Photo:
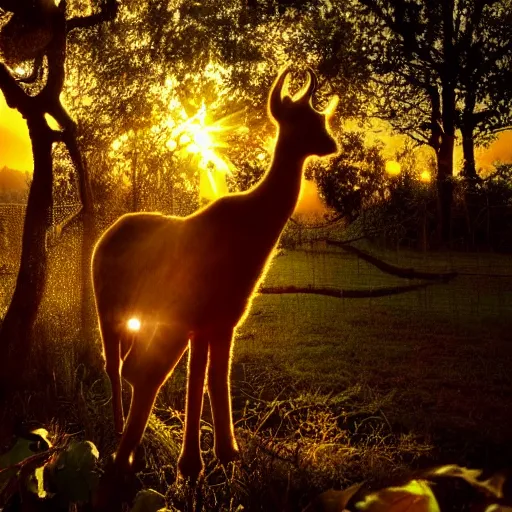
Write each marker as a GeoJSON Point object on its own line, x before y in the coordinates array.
{"type": "Point", "coordinates": [227, 454]}
{"type": "Point", "coordinates": [190, 467]}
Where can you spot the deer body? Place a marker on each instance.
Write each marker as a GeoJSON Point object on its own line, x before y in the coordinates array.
{"type": "Point", "coordinates": [190, 280]}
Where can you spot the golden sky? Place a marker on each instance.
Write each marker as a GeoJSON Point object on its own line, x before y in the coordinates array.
{"type": "Point", "coordinates": [15, 151]}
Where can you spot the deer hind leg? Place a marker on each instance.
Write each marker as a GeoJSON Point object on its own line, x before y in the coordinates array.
{"type": "Point", "coordinates": [111, 337]}
{"type": "Point", "coordinates": [190, 463]}
{"type": "Point", "coordinates": [219, 391]}
{"type": "Point", "coordinates": [150, 367]}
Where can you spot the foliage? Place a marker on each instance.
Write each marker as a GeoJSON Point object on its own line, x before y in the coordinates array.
{"type": "Point", "coordinates": [491, 199]}
{"type": "Point", "coordinates": [72, 473]}
{"type": "Point", "coordinates": [355, 178]}
{"type": "Point", "coordinates": [417, 495]}
{"type": "Point", "coordinates": [183, 56]}
{"type": "Point", "coordinates": [148, 500]}
{"type": "Point", "coordinates": [61, 474]}
{"type": "Point", "coordinates": [413, 62]}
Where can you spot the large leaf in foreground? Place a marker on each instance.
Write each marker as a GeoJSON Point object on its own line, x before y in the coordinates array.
{"type": "Point", "coordinates": [148, 500]}
{"type": "Point", "coordinates": [73, 474]}
{"type": "Point", "coordinates": [415, 496]}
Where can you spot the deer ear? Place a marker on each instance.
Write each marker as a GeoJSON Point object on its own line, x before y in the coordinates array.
{"type": "Point", "coordinates": [275, 100]}
{"type": "Point", "coordinates": [331, 106]}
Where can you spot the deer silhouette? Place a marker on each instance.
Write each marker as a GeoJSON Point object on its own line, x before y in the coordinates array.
{"type": "Point", "coordinates": [189, 282]}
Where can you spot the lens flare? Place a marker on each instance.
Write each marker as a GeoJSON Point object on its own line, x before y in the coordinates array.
{"type": "Point", "coordinates": [133, 324]}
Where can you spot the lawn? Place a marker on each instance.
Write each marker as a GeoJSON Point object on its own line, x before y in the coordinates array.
{"type": "Point", "coordinates": [435, 362]}
{"type": "Point", "coordinates": [328, 391]}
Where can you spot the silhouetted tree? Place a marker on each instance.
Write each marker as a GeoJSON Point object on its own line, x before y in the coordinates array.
{"type": "Point", "coordinates": [437, 67]}
{"type": "Point", "coordinates": [355, 178]}
{"type": "Point", "coordinates": [36, 31]}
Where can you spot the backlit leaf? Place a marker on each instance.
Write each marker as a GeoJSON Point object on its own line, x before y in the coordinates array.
{"type": "Point", "coordinates": [332, 500]}
{"type": "Point", "coordinates": [416, 496]}
{"type": "Point", "coordinates": [492, 486]}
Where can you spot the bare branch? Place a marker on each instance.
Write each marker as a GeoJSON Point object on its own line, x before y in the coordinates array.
{"type": "Point", "coordinates": [384, 291]}
{"type": "Point", "coordinates": [108, 12]}
{"type": "Point", "coordinates": [405, 273]}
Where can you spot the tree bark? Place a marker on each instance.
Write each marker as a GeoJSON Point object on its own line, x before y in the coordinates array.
{"type": "Point", "coordinates": [88, 355]}
{"type": "Point", "coordinates": [445, 188]}
{"type": "Point", "coordinates": [468, 149]}
{"type": "Point", "coordinates": [443, 145]}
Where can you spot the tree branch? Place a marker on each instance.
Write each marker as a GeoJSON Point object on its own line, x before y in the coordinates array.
{"type": "Point", "coordinates": [410, 44]}
{"type": "Point", "coordinates": [405, 273]}
{"type": "Point", "coordinates": [108, 12]}
{"type": "Point", "coordinates": [384, 291]}
{"type": "Point", "coordinates": [15, 96]}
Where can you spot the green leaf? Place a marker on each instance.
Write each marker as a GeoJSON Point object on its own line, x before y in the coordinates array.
{"type": "Point", "coordinates": [73, 473]}
{"type": "Point", "coordinates": [149, 500]}
{"type": "Point", "coordinates": [415, 496]}
{"type": "Point", "coordinates": [22, 449]}
{"type": "Point", "coordinates": [492, 487]}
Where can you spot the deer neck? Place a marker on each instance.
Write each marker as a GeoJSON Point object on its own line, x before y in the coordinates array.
{"type": "Point", "coordinates": [280, 187]}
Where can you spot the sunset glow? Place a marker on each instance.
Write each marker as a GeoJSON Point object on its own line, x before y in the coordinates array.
{"type": "Point", "coordinates": [15, 150]}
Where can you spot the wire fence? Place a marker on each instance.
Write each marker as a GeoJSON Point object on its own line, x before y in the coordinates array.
{"type": "Point", "coordinates": [481, 290]}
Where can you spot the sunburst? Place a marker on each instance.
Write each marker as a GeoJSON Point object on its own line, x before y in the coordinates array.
{"type": "Point", "coordinates": [204, 140]}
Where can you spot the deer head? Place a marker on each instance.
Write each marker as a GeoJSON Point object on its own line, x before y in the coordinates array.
{"type": "Point", "coordinates": [298, 120]}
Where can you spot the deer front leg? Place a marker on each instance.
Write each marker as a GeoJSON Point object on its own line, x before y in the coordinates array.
{"type": "Point", "coordinates": [190, 463]}
{"type": "Point", "coordinates": [219, 391]}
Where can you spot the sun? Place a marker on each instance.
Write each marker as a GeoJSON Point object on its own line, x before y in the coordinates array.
{"type": "Point", "coordinates": [203, 140]}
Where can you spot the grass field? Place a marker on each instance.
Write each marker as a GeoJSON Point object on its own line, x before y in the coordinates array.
{"type": "Point", "coordinates": [328, 392]}
{"type": "Point", "coordinates": [437, 359]}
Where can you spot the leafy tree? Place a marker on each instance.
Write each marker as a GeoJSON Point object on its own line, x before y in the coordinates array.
{"type": "Point", "coordinates": [35, 37]}
{"type": "Point", "coordinates": [485, 60]}
{"type": "Point", "coordinates": [355, 178]}
{"type": "Point", "coordinates": [158, 63]}
{"type": "Point", "coordinates": [437, 67]}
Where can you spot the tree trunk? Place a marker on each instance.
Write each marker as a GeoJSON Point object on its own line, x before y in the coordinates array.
{"type": "Point", "coordinates": [445, 188]}
{"type": "Point", "coordinates": [470, 182]}
{"type": "Point", "coordinates": [17, 327]}
{"type": "Point", "coordinates": [468, 149]}
{"type": "Point", "coordinates": [86, 352]}
{"type": "Point", "coordinates": [445, 153]}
